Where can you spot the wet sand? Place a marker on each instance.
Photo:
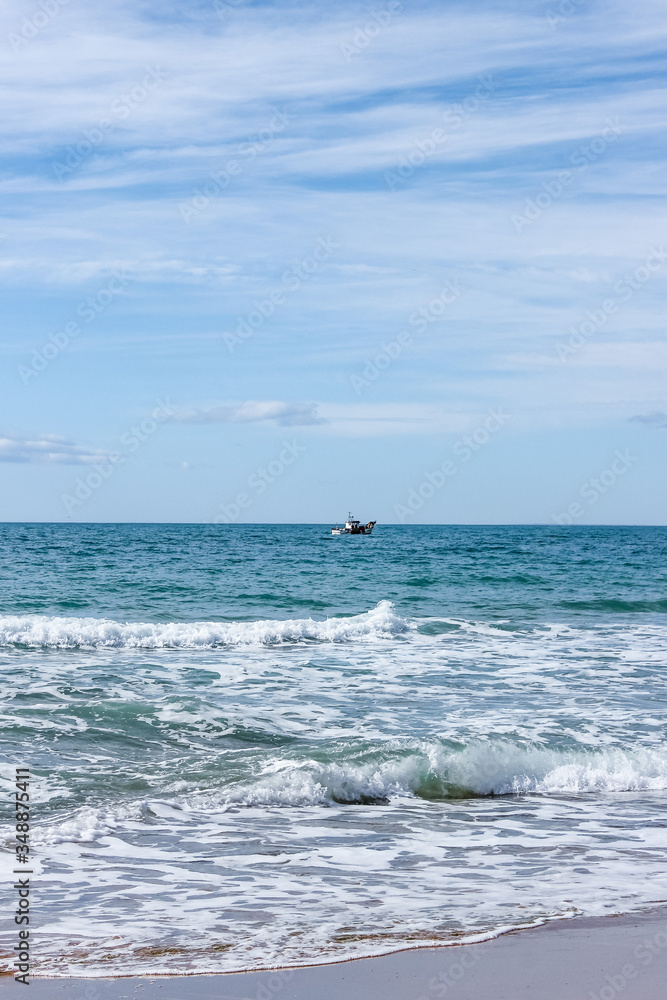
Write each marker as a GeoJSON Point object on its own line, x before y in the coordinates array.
{"type": "Point", "coordinates": [589, 958]}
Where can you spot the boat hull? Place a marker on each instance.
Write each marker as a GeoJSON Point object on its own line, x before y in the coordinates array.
{"type": "Point", "coordinates": [355, 529]}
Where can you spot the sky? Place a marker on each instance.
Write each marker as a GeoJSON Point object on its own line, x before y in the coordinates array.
{"type": "Point", "coordinates": [274, 262]}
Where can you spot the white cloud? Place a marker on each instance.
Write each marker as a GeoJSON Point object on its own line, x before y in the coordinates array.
{"type": "Point", "coordinates": [49, 449]}
{"type": "Point", "coordinates": [324, 174]}
{"type": "Point", "coordinates": [253, 411]}
{"type": "Point", "coordinates": [345, 419]}
{"type": "Point", "coordinates": [647, 355]}
{"type": "Point", "coordinates": [65, 272]}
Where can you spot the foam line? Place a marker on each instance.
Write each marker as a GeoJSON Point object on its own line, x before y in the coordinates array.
{"type": "Point", "coordinates": [73, 633]}
{"type": "Point", "coordinates": [481, 768]}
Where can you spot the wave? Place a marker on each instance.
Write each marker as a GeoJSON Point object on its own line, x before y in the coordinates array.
{"type": "Point", "coordinates": [434, 773]}
{"type": "Point", "coordinates": [505, 768]}
{"type": "Point", "coordinates": [437, 773]}
{"type": "Point", "coordinates": [73, 633]}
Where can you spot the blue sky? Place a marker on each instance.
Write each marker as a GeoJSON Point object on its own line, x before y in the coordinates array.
{"type": "Point", "coordinates": [275, 262]}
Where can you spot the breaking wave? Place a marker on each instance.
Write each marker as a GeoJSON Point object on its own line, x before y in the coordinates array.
{"type": "Point", "coordinates": [435, 773]}
{"type": "Point", "coordinates": [480, 769]}
{"type": "Point", "coordinates": [73, 633]}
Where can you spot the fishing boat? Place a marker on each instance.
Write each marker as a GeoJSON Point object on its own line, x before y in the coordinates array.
{"type": "Point", "coordinates": [353, 527]}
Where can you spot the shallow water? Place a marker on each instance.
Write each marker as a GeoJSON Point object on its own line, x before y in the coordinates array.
{"type": "Point", "coordinates": [260, 744]}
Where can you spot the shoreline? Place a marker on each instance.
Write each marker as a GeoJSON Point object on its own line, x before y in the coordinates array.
{"type": "Point", "coordinates": [595, 958]}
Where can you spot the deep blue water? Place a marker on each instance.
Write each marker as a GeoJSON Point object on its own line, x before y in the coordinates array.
{"type": "Point", "coordinates": [239, 572]}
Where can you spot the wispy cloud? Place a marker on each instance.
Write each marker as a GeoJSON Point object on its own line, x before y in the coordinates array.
{"type": "Point", "coordinates": [402, 102]}
{"type": "Point", "coordinates": [47, 448]}
{"type": "Point", "coordinates": [252, 411]}
{"type": "Point", "coordinates": [655, 419]}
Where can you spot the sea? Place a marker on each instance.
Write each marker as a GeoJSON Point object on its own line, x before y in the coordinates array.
{"type": "Point", "coordinates": [261, 745]}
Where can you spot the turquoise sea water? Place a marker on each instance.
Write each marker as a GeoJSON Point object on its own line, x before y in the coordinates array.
{"type": "Point", "coordinates": [259, 745]}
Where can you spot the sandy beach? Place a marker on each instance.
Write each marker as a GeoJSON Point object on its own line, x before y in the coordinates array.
{"type": "Point", "coordinates": [587, 958]}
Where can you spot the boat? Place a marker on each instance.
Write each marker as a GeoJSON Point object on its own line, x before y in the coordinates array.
{"type": "Point", "coordinates": [353, 527]}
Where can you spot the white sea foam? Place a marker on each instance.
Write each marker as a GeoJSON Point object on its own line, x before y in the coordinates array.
{"type": "Point", "coordinates": [72, 633]}
{"type": "Point", "coordinates": [299, 881]}
{"type": "Point", "coordinates": [493, 768]}
{"type": "Point", "coordinates": [497, 768]}
{"type": "Point", "coordinates": [434, 772]}
{"type": "Point", "coordinates": [83, 826]}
